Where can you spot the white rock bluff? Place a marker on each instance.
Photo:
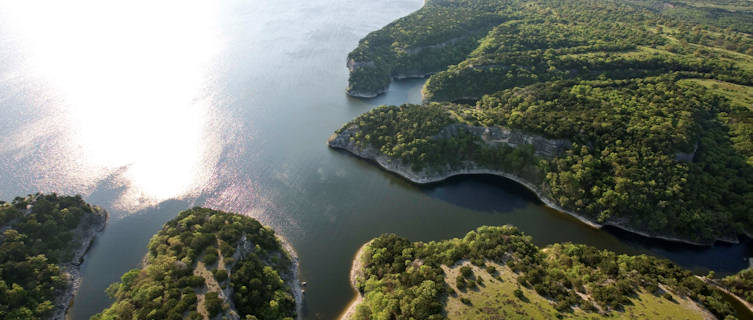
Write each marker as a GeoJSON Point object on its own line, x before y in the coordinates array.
{"type": "Point", "coordinates": [543, 147]}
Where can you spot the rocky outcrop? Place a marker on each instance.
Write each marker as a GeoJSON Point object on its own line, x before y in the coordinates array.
{"type": "Point", "coordinates": [353, 64]}
{"type": "Point", "coordinates": [292, 278]}
{"type": "Point", "coordinates": [543, 147]}
{"type": "Point", "coordinates": [366, 94]}
{"type": "Point", "coordinates": [85, 234]}
{"type": "Point", "coordinates": [345, 140]}
{"type": "Point", "coordinates": [687, 156]}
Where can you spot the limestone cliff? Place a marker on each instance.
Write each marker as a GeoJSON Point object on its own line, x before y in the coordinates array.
{"type": "Point", "coordinates": [543, 147]}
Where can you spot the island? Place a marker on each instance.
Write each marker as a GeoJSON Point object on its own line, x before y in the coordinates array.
{"type": "Point", "coordinates": [43, 241]}
{"type": "Point", "coordinates": [636, 114]}
{"type": "Point", "coordinates": [209, 264]}
{"type": "Point", "coordinates": [498, 273]}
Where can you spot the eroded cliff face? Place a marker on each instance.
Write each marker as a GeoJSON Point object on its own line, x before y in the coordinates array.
{"type": "Point", "coordinates": [353, 64]}
{"type": "Point", "coordinates": [365, 94]}
{"type": "Point", "coordinates": [543, 147]}
{"type": "Point", "coordinates": [345, 140]}
{"type": "Point", "coordinates": [687, 156]}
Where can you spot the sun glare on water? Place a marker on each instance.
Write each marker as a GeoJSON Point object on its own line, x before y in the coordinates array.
{"type": "Point", "coordinates": [131, 82]}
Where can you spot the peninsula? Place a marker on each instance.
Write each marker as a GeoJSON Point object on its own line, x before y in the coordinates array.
{"type": "Point", "coordinates": [496, 272]}
{"type": "Point", "coordinates": [622, 113]}
{"type": "Point", "coordinates": [208, 264]}
{"type": "Point", "coordinates": [44, 239]}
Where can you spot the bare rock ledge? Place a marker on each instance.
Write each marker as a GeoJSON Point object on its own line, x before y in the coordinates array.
{"type": "Point", "coordinates": [343, 141]}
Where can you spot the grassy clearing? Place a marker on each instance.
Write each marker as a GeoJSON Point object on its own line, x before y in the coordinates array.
{"type": "Point", "coordinates": [711, 4]}
{"type": "Point", "coordinates": [638, 53]}
{"type": "Point", "coordinates": [495, 298]}
{"type": "Point", "coordinates": [737, 94]}
{"type": "Point", "coordinates": [459, 118]}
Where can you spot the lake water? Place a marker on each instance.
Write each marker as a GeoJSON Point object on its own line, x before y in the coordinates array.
{"type": "Point", "coordinates": [150, 108]}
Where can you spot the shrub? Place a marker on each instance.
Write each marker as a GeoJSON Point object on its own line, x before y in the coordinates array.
{"type": "Point", "coordinates": [210, 258]}
{"type": "Point", "coordinates": [460, 282]}
{"type": "Point", "coordinates": [519, 294]}
{"type": "Point", "coordinates": [220, 275]}
{"type": "Point", "coordinates": [466, 271]}
{"type": "Point", "coordinates": [491, 269]}
{"type": "Point", "coordinates": [213, 303]}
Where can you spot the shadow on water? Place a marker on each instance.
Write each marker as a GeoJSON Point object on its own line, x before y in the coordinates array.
{"type": "Point", "coordinates": [400, 91]}
{"type": "Point", "coordinates": [481, 193]}
{"type": "Point", "coordinates": [119, 249]}
{"type": "Point", "coordinates": [494, 194]}
{"type": "Point", "coordinates": [724, 258]}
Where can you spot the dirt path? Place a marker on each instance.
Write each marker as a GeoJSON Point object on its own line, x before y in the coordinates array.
{"type": "Point", "coordinates": [201, 308]}
{"type": "Point", "coordinates": [213, 286]}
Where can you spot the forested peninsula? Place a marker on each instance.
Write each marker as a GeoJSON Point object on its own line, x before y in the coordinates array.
{"type": "Point", "coordinates": [497, 272]}
{"type": "Point", "coordinates": [631, 113]}
{"type": "Point", "coordinates": [43, 241]}
{"type": "Point", "coordinates": [208, 264]}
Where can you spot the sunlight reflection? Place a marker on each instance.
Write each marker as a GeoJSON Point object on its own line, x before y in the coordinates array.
{"type": "Point", "coordinates": [132, 80]}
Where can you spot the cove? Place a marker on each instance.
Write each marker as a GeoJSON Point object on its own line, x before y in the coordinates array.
{"type": "Point", "coordinates": [247, 134]}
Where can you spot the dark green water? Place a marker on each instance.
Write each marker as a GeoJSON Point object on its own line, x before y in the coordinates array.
{"type": "Point", "coordinates": [229, 105]}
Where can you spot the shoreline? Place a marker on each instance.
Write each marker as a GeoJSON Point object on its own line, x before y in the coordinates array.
{"type": "Point", "coordinates": [721, 288]}
{"type": "Point", "coordinates": [367, 95]}
{"type": "Point", "coordinates": [294, 271]}
{"type": "Point", "coordinates": [355, 268]}
{"type": "Point", "coordinates": [65, 300]}
{"type": "Point", "coordinates": [295, 284]}
{"type": "Point", "coordinates": [391, 166]}
{"type": "Point", "coordinates": [381, 91]}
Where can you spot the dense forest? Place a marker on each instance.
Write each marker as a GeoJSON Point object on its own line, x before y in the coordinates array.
{"type": "Point", "coordinates": [417, 45]}
{"type": "Point", "coordinates": [405, 280]}
{"type": "Point", "coordinates": [500, 39]}
{"type": "Point", "coordinates": [656, 101]}
{"type": "Point", "coordinates": [208, 263]}
{"type": "Point", "coordinates": [39, 235]}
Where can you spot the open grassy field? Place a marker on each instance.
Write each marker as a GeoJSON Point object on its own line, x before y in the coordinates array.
{"type": "Point", "coordinates": [495, 298]}
{"type": "Point", "coordinates": [737, 94]}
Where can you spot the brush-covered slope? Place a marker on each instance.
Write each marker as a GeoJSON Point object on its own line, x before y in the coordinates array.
{"type": "Point", "coordinates": [43, 240]}
{"type": "Point", "coordinates": [496, 272]}
{"type": "Point", "coordinates": [622, 112]}
{"type": "Point", "coordinates": [208, 264]}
